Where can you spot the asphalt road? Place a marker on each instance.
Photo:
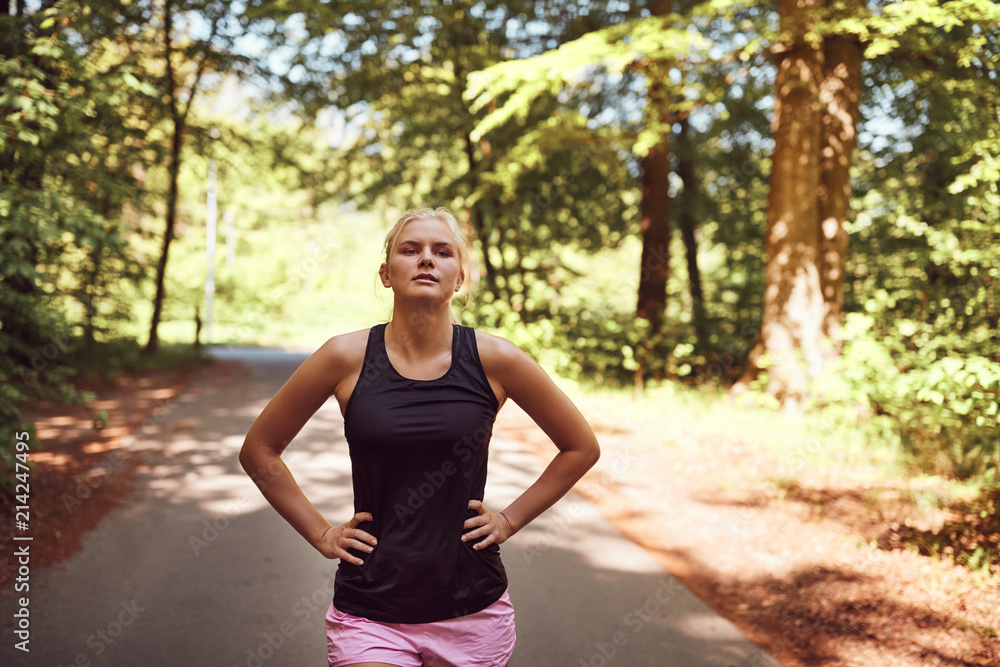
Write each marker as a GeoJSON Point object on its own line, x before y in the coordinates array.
{"type": "Point", "coordinates": [197, 570]}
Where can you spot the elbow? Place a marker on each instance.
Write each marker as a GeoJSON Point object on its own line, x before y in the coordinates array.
{"type": "Point", "coordinates": [244, 457]}
{"type": "Point", "coordinates": [250, 457]}
{"type": "Point", "coordinates": [593, 454]}
{"type": "Point", "coordinates": [257, 456]}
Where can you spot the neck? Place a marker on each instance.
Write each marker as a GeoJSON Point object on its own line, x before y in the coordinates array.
{"type": "Point", "coordinates": [419, 332]}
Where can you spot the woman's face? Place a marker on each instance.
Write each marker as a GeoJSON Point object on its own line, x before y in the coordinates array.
{"type": "Point", "coordinates": [424, 263]}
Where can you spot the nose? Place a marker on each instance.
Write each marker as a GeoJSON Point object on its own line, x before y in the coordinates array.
{"type": "Point", "coordinates": [427, 258]}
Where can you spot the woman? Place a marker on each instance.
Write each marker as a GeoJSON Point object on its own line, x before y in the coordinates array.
{"type": "Point", "coordinates": [420, 581]}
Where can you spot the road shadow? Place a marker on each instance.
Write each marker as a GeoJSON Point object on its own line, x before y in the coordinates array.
{"type": "Point", "coordinates": [827, 616]}
{"type": "Point", "coordinates": [969, 536]}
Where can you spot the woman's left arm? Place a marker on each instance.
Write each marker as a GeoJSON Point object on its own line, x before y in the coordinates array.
{"type": "Point", "coordinates": [528, 385]}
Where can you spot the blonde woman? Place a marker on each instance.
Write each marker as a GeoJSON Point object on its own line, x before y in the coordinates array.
{"type": "Point", "coordinates": [420, 580]}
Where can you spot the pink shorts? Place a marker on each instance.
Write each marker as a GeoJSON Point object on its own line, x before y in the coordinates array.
{"type": "Point", "coordinates": [484, 638]}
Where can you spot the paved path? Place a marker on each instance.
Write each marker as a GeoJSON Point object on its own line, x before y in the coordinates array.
{"type": "Point", "coordinates": [197, 570]}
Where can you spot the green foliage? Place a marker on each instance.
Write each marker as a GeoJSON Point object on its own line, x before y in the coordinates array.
{"type": "Point", "coordinates": [79, 126]}
{"type": "Point", "coordinates": [401, 71]}
{"type": "Point", "coordinates": [920, 351]}
{"type": "Point", "coordinates": [58, 184]}
{"type": "Point", "coordinates": [940, 408]}
{"type": "Point", "coordinates": [514, 86]}
{"type": "Point", "coordinates": [691, 60]}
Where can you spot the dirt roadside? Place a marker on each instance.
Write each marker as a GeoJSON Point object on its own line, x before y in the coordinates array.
{"type": "Point", "coordinates": [812, 570]}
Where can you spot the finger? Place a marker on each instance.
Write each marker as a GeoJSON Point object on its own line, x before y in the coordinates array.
{"type": "Point", "coordinates": [344, 555]}
{"type": "Point", "coordinates": [359, 518]}
{"type": "Point", "coordinates": [478, 532]}
{"type": "Point", "coordinates": [360, 535]}
{"type": "Point", "coordinates": [354, 560]}
{"type": "Point", "coordinates": [476, 505]}
{"type": "Point", "coordinates": [485, 542]}
{"type": "Point", "coordinates": [473, 522]}
{"type": "Point", "coordinates": [357, 545]}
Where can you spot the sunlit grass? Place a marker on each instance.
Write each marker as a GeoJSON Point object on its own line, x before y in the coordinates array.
{"type": "Point", "coordinates": [813, 452]}
{"type": "Point", "coordinates": [709, 413]}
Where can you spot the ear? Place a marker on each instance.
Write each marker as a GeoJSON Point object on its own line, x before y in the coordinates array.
{"type": "Point", "coordinates": [461, 279]}
{"type": "Point", "coordinates": [383, 274]}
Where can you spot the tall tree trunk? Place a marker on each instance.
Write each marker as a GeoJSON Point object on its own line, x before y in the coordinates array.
{"type": "Point", "coordinates": [168, 234]}
{"type": "Point", "coordinates": [91, 292]}
{"type": "Point", "coordinates": [173, 170]}
{"type": "Point", "coordinates": [839, 96]}
{"type": "Point", "coordinates": [654, 226]}
{"type": "Point", "coordinates": [686, 222]}
{"type": "Point", "coordinates": [478, 215]}
{"type": "Point", "coordinates": [478, 218]}
{"type": "Point", "coordinates": [792, 323]}
{"type": "Point", "coordinates": [655, 230]}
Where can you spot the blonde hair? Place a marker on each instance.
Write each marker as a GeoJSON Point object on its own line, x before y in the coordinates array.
{"type": "Point", "coordinates": [447, 217]}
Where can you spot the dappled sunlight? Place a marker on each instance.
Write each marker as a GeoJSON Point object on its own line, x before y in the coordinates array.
{"type": "Point", "coordinates": [571, 523]}
{"type": "Point", "coordinates": [102, 446]}
{"type": "Point", "coordinates": [199, 464]}
{"type": "Point", "coordinates": [709, 627]}
{"type": "Point", "coordinates": [162, 394]}
{"type": "Point", "coordinates": [51, 458]}
{"type": "Point", "coordinates": [61, 421]}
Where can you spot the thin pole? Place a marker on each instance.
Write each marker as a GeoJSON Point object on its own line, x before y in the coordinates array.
{"type": "Point", "coordinates": [230, 219]}
{"type": "Point", "coordinates": [210, 235]}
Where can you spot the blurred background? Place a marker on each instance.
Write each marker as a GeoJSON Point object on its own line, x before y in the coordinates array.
{"type": "Point", "coordinates": [792, 202]}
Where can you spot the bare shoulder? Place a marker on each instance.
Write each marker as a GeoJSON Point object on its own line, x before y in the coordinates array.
{"type": "Point", "coordinates": [327, 371]}
{"type": "Point", "coordinates": [509, 367]}
{"type": "Point", "coordinates": [345, 348]}
{"type": "Point", "coordinates": [498, 354]}
{"type": "Point", "coordinates": [525, 382]}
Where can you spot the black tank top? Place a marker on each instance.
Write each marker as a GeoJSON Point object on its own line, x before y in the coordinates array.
{"type": "Point", "coordinates": [418, 455]}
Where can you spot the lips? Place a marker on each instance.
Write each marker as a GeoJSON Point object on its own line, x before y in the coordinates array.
{"type": "Point", "coordinates": [425, 276]}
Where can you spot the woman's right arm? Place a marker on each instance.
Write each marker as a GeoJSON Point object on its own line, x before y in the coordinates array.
{"type": "Point", "coordinates": [284, 416]}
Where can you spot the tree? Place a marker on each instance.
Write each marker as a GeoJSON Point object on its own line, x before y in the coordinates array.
{"type": "Point", "coordinates": [186, 61]}
{"type": "Point", "coordinates": [686, 65]}
{"type": "Point", "coordinates": [686, 222]}
{"type": "Point", "coordinates": [921, 298]}
{"type": "Point", "coordinates": [817, 92]}
{"type": "Point", "coordinates": [398, 71]}
{"type": "Point", "coordinates": [840, 95]}
{"type": "Point", "coordinates": [647, 48]}
{"type": "Point", "coordinates": [654, 226]}
{"type": "Point", "coordinates": [791, 329]}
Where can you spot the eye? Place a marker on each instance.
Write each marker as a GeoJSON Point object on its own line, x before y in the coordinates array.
{"type": "Point", "coordinates": [444, 253]}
